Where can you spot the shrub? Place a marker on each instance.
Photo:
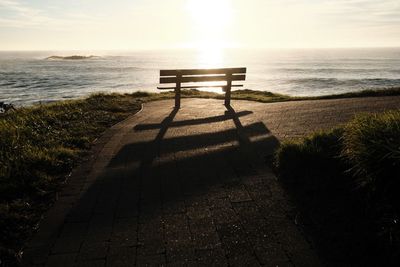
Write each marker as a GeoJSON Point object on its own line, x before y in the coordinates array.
{"type": "Point", "coordinates": [372, 145]}
{"type": "Point", "coordinates": [313, 163]}
{"type": "Point", "coordinates": [348, 180]}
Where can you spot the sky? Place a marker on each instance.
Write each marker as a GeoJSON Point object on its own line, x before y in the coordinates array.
{"type": "Point", "coordinates": [158, 24]}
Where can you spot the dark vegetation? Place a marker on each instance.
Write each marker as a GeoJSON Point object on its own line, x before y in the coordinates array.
{"type": "Point", "coordinates": [38, 147]}
{"type": "Point", "coordinates": [268, 97]}
{"type": "Point", "coordinates": [364, 93]}
{"type": "Point", "coordinates": [347, 182]}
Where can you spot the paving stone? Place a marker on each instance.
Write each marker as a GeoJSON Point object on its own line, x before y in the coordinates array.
{"type": "Point", "coordinates": [198, 212]}
{"type": "Point", "coordinates": [67, 245]}
{"type": "Point", "coordinates": [239, 194]}
{"type": "Point", "coordinates": [202, 225]}
{"type": "Point", "coordinates": [211, 257]}
{"type": "Point", "coordinates": [279, 263]}
{"type": "Point", "coordinates": [91, 263]}
{"type": "Point", "coordinates": [185, 263]}
{"type": "Point", "coordinates": [153, 229]}
{"type": "Point", "coordinates": [151, 260]}
{"type": "Point", "coordinates": [74, 230]}
{"type": "Point", "coordinates": [220, 203]}
{"type": "Point", "coordinates": [93, 251]}
{"type": "Point", "coordinates": [178, 238]}
{"type": "Point", "coordinates": [149, 212]}
{"type": "Point", "coordinates": [174, 207]}
{"type": "Point", "coordinates": [257, 180]}
{"type": "Point", "coordinates": [121, 257]}
{"type": "Point", "coordinates": [247, 211]}
{"type": "Point", "coordinates": [271, 254]}
{"type": "Point", "coordinates": [100, 228]}
{"type": "Point", "coordinates": [290, 237]}
{"type": "Point", "coordinates": [206, 240]}
{"type": "Point", "coordinates": [151, 247]}
{"type": "Point", "coordinates": [234, 239]}
{"type": "Point", "coordinates": [223, 216]}
{"type": "Point", "coordinates": [175, 223]}
{"type": "Point", "coordinates": [125, 232]}
{"type": "Point", "coordinates": [36, 256]}
{"type": "Point", "coordinates": [61, 260]}
{"type": "Point", "coordinates": [303, 257]}
{"type": "Point", "coordinates": [184, 253]}
{"type": "Point", "coordinates": [196, 200]}
{"type": "Point", "coordinates": [247, 259]}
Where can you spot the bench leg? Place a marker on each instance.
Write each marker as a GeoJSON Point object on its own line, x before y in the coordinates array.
{"type": "Point", "coordinates": [178, 95]}
{"type": "Point", "coordinates": [177, 99]}
{"type": "Point", "coordinates": [228, 91]}
{"type": "Point", "coordinates": [227, 98]}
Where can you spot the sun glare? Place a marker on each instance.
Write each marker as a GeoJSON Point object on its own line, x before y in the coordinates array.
{"type": "Point", "coordinates": [210, 13]}
{"type": "Point", "coordinates": [210, 22]}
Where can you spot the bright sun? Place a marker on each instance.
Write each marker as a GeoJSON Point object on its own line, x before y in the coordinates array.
{"type": "Point", "coordinates": [211, 20]}
{"type": "Point", "coordinates": [210, 13]}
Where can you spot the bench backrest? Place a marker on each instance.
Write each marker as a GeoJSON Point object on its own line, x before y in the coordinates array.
{"type": "Point", "coordinates": [181, 76]}
{"type": "Point", "coordinates": [202, 75]}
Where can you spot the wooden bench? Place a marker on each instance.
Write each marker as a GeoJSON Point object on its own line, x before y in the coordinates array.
{"type": "Point", "coordinates": [192, 77]}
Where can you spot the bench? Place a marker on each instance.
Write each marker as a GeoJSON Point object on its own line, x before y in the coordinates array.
{"type": "Point", "coordinates": [198, 78]}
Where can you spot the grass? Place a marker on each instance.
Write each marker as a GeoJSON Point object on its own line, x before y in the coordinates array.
{"type": "Point", "coordinates": [372, 145]}
{"type": "Point", "coordinates": [347, 183]}
{"type": "Point", "coordinates": [40, 145]}
{"type": "Point", "coordinates": [263, 96]}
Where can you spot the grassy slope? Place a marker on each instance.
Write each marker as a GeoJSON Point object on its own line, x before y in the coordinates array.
{"type": "Point", "coordinates": [265, 96]}
{"type": "Point", "coordinates": [38, 146]}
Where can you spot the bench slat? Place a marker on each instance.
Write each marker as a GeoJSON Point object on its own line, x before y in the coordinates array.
{"type": "Point", "coordinates": [188, 79]}
{"type": "Point", "coordinates": [202, 71]}
{"type": "Point", "coordinates": [199, 86]}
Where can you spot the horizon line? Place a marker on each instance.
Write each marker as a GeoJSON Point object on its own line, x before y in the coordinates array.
{"type": "Point", "coordinates": [197, 48]}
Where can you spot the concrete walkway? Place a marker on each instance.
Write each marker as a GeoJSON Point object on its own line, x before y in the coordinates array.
{"type": "Point", "coordinates": [188, 187]}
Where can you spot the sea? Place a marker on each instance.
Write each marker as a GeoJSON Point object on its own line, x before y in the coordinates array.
{"type": "Point", "coordinates": [28, 77]}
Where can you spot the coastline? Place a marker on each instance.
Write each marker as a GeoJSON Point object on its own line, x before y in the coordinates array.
{"type": "Point", "coordinates": [243, 94]}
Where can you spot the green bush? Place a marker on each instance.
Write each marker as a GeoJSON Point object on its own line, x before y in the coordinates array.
{"type": "Point", "coordinates": [372, 146]}
{"type": "Point", "coordinates": [312, 163]}
{"type": "Point", "coordinates": [348, 180]}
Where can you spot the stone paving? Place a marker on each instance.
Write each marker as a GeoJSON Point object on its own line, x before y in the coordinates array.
{"type": "Point", "coordinates": [188, 188]}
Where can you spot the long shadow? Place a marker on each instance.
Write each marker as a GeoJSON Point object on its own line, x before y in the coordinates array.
{"type": "Point", "coordinates": [153, 147]}
{"type": "Point", "coordinates": [191, 154]}
{"type": "Point", "coordinates": [184, 143]}
{"type": "Point", "coordinates": [138, 159]}
{"type": "Point", "coordinates": [152, 126]}
{"type": "Point", "coordinates": [145, 180]}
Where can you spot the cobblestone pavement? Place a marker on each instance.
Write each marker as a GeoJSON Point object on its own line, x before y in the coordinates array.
{"type": "Point", "coordinates": [188, 188]}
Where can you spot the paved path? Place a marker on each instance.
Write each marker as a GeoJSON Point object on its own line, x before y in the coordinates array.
{"type": "Point", "coordinates": [188, 188]}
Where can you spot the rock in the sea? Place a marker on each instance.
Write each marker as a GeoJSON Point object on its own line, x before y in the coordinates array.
{"type": "Point", "coordinates": [75, 57]}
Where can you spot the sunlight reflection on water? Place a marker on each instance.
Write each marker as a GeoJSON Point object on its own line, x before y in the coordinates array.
{"type": "Point", "coordinates": [210, 56]}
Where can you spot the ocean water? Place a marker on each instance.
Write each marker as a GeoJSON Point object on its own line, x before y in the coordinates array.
{"type": "Point", "coordinates": [28, 77]}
